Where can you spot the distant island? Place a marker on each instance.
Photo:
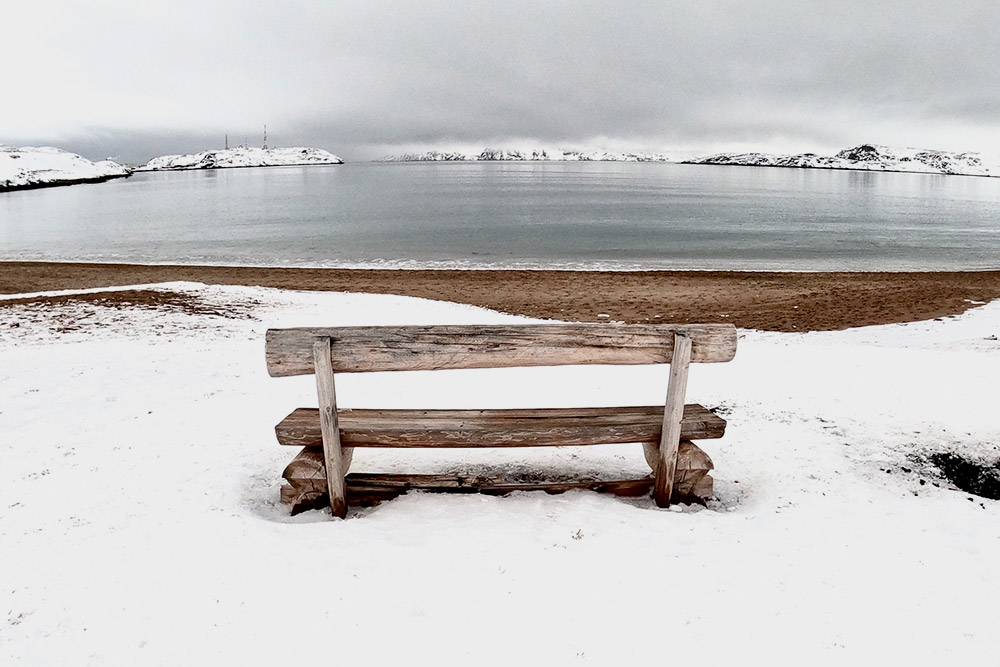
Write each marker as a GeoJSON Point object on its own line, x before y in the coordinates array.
{"type": "Point", "coordinates": [534, 155]}
{"type": "Point", "coordinates": [868, 157]}
{"type": "Point", "coordinates": [31, 167]}
{"type": "Point", "coordinates": [865, 157]}
{"type": "Point", "coordinates": [242, 156]}
{"type": "Point", "coordinates": [41, 167]}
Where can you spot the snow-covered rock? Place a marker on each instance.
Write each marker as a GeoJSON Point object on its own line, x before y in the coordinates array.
{"type": "Point", "coordinates": [31, 167]}
{"type": "Point", "coordinates": [869, 157]}
{"type": "Point", "coordinates": [226, 158]}
{"type": "Point", "coordinates": [429, 156]}
{"type": "Point", "coordinates": [533, 155]}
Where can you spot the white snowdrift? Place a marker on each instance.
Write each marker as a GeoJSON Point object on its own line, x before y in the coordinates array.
{"type": "Point", "coordinates": [869, 157]}
{"type": "Point", "coordinates": [242, 157]}
{"type": "Point", "coordinates": [139, 520]}
{"type": "Point", "coordinates": [31, 167]}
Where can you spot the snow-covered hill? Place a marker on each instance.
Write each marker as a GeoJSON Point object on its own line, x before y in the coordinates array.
{"type": "Point", "coordinates": [429, 156]}
{"type": "Point", "coordinates": [869, 157]}
{"type": "Point", "coordinates": [226, 158]}
{"type": "Point", "coordinates": [31, 167]}
{"type": "Point", "coordinates": [534, 155]}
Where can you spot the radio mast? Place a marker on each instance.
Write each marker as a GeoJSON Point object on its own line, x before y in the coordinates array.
{"type": "Point", "coordinates": [265, 136]}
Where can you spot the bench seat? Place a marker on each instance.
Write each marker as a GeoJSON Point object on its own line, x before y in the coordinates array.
{"type": "Point", "coordinates": [480, 428]}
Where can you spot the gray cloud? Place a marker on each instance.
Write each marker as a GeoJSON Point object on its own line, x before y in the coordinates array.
{"type": "Point", "coordinates": [362, 78]}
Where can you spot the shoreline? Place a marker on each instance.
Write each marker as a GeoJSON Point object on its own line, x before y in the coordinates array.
{"type": "Point", "coordinates": [60, 183]}
{"type": "Point", "coordinates": [826, 168]}
{"type": "Point", "coordinates": [768, 301]}
{"type": "Point", "coordinates": [143, 170]}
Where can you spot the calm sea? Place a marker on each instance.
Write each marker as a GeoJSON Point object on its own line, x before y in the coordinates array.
{"type": "Point", "coordinates": [565, 215]}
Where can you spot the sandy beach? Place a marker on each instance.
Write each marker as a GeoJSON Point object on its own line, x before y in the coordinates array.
{"type": "Point", "coordinates": [755, 300]}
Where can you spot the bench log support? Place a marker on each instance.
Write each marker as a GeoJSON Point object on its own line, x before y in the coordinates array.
{"type": "Point", "coordinates": [672, 413]}
{"type": "Point", "coordinates": [336, 459]}
{"type": "Point", "coordinates": [306, 488]}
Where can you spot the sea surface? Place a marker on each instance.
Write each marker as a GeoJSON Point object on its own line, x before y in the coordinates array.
{"type": "Point", "coordinates": [559, 215]}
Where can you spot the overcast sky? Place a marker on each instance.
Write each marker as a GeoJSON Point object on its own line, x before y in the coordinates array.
{"type": "Point", "coordinates": [365, 79]}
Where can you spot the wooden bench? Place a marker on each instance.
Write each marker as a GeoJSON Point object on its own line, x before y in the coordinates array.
{"type": "Point", "coordinates": [328, 436]}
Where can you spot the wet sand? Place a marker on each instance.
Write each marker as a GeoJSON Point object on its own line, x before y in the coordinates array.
{"type": "Point", "coordinates": [758, 300]}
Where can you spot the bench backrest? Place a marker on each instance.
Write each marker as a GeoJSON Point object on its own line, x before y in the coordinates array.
{"type": "Point", "coordinates": [413, 348]}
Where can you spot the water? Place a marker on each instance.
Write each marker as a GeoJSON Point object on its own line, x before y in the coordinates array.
{"type": "Point", "coordinates": [567, 215]}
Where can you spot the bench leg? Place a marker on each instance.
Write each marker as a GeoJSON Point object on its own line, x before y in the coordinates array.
{"type": "Point", "coordinates": [672, 413]}
{"type": "Point", "coordinates": [333, 454]}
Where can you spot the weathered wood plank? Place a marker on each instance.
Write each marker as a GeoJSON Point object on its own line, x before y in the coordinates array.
{"type": "Point", "coordinates": [333, 456]}
{"type": "Point", "coordinates": [360, 349]}
{"type": "Point", "coordinates": [498, 428]}
{"type": "Point", "coordinates": [672, 414]}
{"type": "Point", "coordinates": [401, 483]}
{"type": "Point", "coordinates": [307, 482]}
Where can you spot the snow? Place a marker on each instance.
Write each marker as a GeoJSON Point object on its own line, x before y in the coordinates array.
{"type": "Point", "coordinates": [242, 156]}
{"type": "Point", "coordinates": [870, 157]}
{"type": "Point", "coordinates": [140, 522]}
{"type": "Point", "coordinates": [29, 167]}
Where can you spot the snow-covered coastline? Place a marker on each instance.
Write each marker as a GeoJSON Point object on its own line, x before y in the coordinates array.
{"type": "Point", "coordinates": [866, 157]}
{"type": "Point", "coordinates": [229, 158]}
{"type": "Point", "coordinates": [869, 157]}
{"type": "Point", "coordinates": [41, 167]}
{"type": "Point", "coordinates": [530, 155]}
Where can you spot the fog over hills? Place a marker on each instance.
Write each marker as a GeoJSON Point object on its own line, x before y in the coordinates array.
{"type": "Point", "coordinates": [364, 80]}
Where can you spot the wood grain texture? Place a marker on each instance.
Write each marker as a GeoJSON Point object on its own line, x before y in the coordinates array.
{"type": "Point", "coordinates": [333, 456]}
{"type": "Point", "coordinates": [307, 489]}
{"type": "Point", "coordinates": [361, 349]}
{"type": "Point", "coordinates": [689, 456]}
{"type": "Point", "coordinates": [670, 436]}
{"type": "Point", "coordinates": [498, 428]}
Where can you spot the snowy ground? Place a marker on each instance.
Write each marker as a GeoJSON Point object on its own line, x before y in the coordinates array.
{"type": "Point", "coordinates": [37, 167]}
{"type": "Point", "coordinates": [140, 523]}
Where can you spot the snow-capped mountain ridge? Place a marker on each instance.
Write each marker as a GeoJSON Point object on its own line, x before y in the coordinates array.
{"type": "Point", "coordinates": [45, 166]}
{"type": "Point", "coordinates": [228, 158]}
{"type": "Point", "coordinates": [869, 157]}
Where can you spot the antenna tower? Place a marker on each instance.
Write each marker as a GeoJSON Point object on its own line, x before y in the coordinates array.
{"type": "Point", "coordinates": [265, 136]}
